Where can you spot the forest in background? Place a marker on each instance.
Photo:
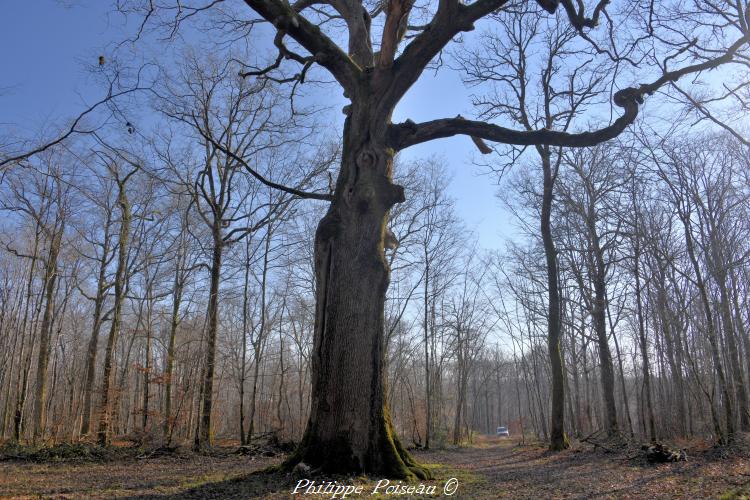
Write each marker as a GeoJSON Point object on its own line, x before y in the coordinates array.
{"type": "Point", "coordinates": [159, 284]}
{"type": "Point", "coordinates": [663, 237]}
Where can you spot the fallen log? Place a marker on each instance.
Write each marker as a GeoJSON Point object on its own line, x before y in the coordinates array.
{"type": "Point", "coordinates": [658, 453]}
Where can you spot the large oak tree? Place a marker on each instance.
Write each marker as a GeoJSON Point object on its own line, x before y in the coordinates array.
{"type": "Point", "coordinates": [375, 54]}
{"type": "Point", "coordinates": [346, 433]}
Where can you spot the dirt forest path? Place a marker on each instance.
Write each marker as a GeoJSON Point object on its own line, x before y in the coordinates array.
{"type": "Point", "coordinates": [493, 469]}
{"type": "Point", "coordinates": [506, 470]}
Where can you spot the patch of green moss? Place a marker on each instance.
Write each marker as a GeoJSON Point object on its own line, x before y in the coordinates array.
{"type": "Point", "coordinates": [742, 493]}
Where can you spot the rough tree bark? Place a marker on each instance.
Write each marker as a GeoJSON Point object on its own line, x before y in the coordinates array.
{"type": "Point", "coordinates": [354, 434]}
{"type": "Point", "coordinates": [346, 433]}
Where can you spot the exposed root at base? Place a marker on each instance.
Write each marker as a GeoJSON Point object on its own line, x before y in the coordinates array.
{"type": "Point", "coordinates": [419, 471]}
{"type": "Point", "coordinates": [402, 466]}
{"type": "Point", "coordinates": [560, 446]}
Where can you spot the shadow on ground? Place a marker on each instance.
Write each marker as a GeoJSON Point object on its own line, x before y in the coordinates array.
{"type": "Point", "coordinates": [267, 485]}
{"type": "Point", "coordinates": [487, 470]}
{"type": "Point", "coordinates": [254, 485]}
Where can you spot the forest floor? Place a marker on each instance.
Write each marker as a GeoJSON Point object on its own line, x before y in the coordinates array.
{"type": "Point", "coordinates": [491, 468]}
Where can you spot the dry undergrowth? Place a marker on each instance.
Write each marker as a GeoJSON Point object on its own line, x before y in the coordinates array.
{"type": "Point", "coordinates": [488, 469]}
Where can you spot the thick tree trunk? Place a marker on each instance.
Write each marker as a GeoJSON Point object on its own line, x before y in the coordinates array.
{"type": "Point", "coordinates": [349, 427]}
{"type": "Point", "coordinates": [558, 438]}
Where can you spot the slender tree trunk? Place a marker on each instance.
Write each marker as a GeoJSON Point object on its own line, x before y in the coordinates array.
{"type": "Point", "coordinates": [253, 397]}
{"type": "Point", "coordinates": [558, 438]}
{"type": "Point", "coordinates": [645, 364]}
{"type": "Point", "coordinates": [245, 324]}
{"type": "Point", "coordinates": [600, 327]}
{"type": "Point", "coordinates": [428, 398]}
{"type": "Point", "coordinates": [733, 352]}
{"type": "Point", "coordinates": [536, 379]}
{"type": "Point", "coordinates": [88, 388]}
{"type": "Point", "coordinates": [282, 384]}
{"type": "Point", "coordinates": [461, 395]}
{"type": "Point", "coordinates": [174, 322]}
{"type": "Point", "coordinates": [90, 369]}
{"type": "Point", "coordinates": [147, 368]}
{"type": "Point", "coordinates": [626, 401]}
{"type": "Point", "coordinates": [114, 331]}
{"type": "Point", "coordinates": [673, 347]}
{"type": "Point", "coordinates": [711, 333]}
{"type": "Point", "coordinates": [745, 339]}
{"type": "Point", "coordinates": [518, 396]}
{"type": "Point", "coordinates": [259, 341]}
{"type": "Point", "coordinates": [24, 362]}
{"type": "Point", "coordinates": [588, 396]}
{"type": "Point", "coordinates": [579, 424]}
{"type": "Point", "coordinates": [204, 439]}
{"type": "Point", "coordinates": [45, 334]}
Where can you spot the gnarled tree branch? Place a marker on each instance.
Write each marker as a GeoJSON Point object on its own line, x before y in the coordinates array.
{"type": "Point", "coordinates": [409, 133]}
{"type": "Point", "coordinates": [324, 50]}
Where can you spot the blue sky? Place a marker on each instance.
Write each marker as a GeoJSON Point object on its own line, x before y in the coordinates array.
{"type": "Point", "coordinates": [47, 45]}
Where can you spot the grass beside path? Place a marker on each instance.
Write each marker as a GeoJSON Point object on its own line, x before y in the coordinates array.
{"type": "Point", "coordinates": [490, 469]}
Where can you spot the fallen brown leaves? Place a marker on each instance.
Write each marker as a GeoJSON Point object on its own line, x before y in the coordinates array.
{"type": "Point", "coordinates": [492, 469]}
{"type": "Point", "coordinates": [584, 471]}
